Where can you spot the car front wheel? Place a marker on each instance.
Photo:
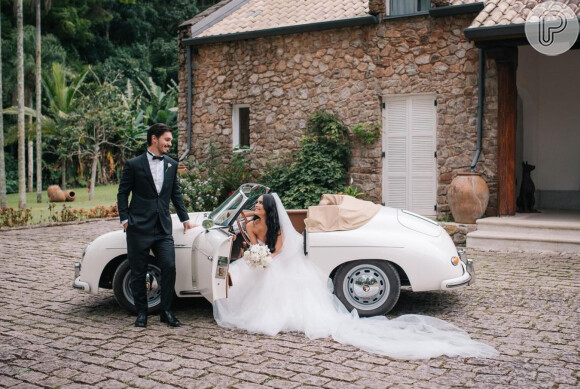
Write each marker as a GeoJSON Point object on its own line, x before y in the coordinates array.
{"type": "Point", "coordinates": [122, 287]}
{"type": "Point", "coordinates": [371, 287]}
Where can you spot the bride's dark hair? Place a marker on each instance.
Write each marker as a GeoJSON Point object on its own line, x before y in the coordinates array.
{"type": "Point", "coordinates": [272, 221]}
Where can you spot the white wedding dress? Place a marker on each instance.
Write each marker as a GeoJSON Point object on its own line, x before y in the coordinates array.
{"type": "Point", "coordinates": [292, 294]}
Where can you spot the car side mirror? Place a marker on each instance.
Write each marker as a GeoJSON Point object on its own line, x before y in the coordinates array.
{"type": "Point", "coordinates": [207, 224]}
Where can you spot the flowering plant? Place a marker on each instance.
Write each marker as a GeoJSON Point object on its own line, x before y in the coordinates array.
{"type": "Point", "coordinates": [200, 194]}
{"type": "Point", "coordinates": [258, 256]}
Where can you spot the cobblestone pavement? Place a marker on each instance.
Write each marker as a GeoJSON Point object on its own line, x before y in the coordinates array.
{"type": "Point", "coordinates": [525, 305]}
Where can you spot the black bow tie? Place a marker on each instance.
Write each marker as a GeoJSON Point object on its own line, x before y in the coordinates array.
{"type": "Point", "coordinates": [159, 158]}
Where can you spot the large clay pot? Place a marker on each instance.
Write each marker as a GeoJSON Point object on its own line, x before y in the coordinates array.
{"type": "Point", "coordinates": [70, 195]}
{"type": "Point", "coordinates": [51, 190]}
{"type": "Point", "coordinates": [467, 197]}
{"type": "Point", "coordinates": [55, 194]}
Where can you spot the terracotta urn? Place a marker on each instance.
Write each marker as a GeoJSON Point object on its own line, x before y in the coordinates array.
{"type": "Point", "coordinates": [55, 194]}
{"type": "Point", "coordinates": [70, 195]}
{"type": "Point", "coordinates": [467, 197]}
{"type": "Point", "coordinates": [52, 189]}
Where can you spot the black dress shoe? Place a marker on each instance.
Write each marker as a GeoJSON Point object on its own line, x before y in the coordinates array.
{"type": "Point", "coordinates": [167, 317]}
{"type": "Point", "coordinates": [141, 320]}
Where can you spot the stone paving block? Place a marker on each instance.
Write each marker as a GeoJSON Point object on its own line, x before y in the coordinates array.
{"type": "Point", "coordinates": [308, 379]}
{"type": "Point", "coordinates": [340, 375]}
{"type": "Point", "coordinates": [247, 385]}
{"type": "Point", "coordinates": [335, 384]}
{"type": "Point", "coordinates": [7, 381]}
{"type": "Point", "coordinates": [220, 380]}
{"type": "Point", "coordinates": [281, 384]}
{"type": "Point", "coordinates": [55, 382]}
{"type": "Point", "coordinates": [111, 384]}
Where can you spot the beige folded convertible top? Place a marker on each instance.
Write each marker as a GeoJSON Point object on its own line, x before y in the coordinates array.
{"type": "Point", "coordinates": [339, 213]}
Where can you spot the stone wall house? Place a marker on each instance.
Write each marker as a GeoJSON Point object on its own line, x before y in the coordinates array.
{"type": "Point", "coordinates": [267, 65]}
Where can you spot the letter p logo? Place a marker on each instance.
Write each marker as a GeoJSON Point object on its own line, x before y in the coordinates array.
{"type": "Point", "coordinates": [549, 29]}
{"type": "Point", "coordinates": [552, 28]}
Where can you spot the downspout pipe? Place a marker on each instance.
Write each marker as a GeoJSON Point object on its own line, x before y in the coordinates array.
{"type": "Point", "coordinates": [480, 103]}
{"type": "Point", "coordinates": [189, 102]}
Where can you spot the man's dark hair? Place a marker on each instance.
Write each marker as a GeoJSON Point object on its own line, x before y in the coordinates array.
{"type": "Point", "coordinates": [157, 129]}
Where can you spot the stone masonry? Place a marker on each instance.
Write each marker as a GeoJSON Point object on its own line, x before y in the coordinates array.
{"type": "Point", "coordinates": [348, 71]}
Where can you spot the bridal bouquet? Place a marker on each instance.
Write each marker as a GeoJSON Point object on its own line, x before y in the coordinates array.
{"type": "Point", "coordinates": [258, 256]}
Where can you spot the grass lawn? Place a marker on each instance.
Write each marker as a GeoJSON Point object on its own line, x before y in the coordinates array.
{"type": "Point", "coordinates": [104, 195]}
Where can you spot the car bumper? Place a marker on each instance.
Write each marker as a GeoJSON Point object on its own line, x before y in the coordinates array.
{"type": "Point", "coordinates": [77, 283]}
{"type": "Point", "coordinates": [467, 278]}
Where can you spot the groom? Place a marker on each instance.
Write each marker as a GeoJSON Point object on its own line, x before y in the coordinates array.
{"type": "Point", "coordinates": [151, 179]}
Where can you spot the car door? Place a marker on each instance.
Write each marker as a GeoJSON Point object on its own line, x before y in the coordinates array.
{"type": "Point", "coordinates": [210, 261]}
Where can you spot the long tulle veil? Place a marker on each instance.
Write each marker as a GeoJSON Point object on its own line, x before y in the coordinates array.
{"type": "Point", "coordinates": [290, 237]}
{"type": "Point", "coordinates": [292, 295]}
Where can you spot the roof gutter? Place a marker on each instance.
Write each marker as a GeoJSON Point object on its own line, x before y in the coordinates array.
{"type": "Point", "coordinates": [294, 29]}
{"type": "Point", "coordinates": [508, 31]}
{"type": "Point", "coordinates": [452, 10]}
{"type": "Point", "coordinates": [189, 101]}
{"type": "Point", "coordinates": [495, 32]}
{"type": "Point", "coordinates": [480, 98]}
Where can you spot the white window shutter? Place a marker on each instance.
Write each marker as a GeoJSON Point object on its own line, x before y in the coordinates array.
{"type": "Point", "coordinates": [409, 167]}
{"type": "Point", "coordinates": [396, 158]}
{"type": "Point", "coordinates": [423, 161]}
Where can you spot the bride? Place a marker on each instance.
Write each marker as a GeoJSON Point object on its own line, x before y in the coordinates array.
{"type": "Point", "coordinates": [292, 294]}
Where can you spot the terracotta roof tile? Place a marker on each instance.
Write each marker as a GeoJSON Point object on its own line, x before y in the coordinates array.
{"type": "Point", "coordinates": [504, 12]}
{"type": "Point", "coordinates": [254, 15]}
{"type": "Point", "coordinates": [205, 13]}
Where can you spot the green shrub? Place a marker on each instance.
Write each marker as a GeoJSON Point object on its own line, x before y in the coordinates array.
{"type": "Point", "coordinates": [69, 214]}
{"type": "Point", "coordinates": [10, 217]}
{"type": "Point", "coordinates": [354, 191]}
{"type": "Point", "coordinates": [206, 184]}
{"type": "Point", "coordinates": [200, 193]}
{"type": "Point", "coordinates": [367, 132]}
{"type": "Point", "coordinates": [320, 167]}
{"type": "Point", "coordinates": [235, 173]}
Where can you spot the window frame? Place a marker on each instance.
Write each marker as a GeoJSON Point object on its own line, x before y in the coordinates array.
{"type": "Point", "coordinates": [236, 130]}
{"type": "Point", "coordinates": [414, 13]}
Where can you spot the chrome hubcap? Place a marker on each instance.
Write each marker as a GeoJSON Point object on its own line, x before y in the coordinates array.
{"type": "Point", "coordinates": [153, 290]}
{"type": "Point", "coordinates": [366, 287]}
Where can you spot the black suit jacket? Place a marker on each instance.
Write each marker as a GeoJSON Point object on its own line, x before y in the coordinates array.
{"type": "Point", "coordinates": [147, 207]}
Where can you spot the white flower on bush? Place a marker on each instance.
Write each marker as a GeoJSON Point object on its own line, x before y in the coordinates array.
{"type": "Point", "coordinates": [258, 256]}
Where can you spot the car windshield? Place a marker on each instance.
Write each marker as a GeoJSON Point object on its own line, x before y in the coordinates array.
{"type": "Point", "coordinates": [243, 198]}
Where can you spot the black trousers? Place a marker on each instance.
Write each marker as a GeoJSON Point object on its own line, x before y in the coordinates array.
{"type": "Point", "coordinates": [138, 247]}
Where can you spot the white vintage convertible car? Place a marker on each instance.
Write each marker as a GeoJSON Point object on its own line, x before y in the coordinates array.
{"type": "Point", "coordinates": [368, 264]}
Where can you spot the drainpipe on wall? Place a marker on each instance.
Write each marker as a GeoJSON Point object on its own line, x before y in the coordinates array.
{"type": "Point", "coordinates": [480, 103]}
{"type": "Point", "coordinates": [189, 102]}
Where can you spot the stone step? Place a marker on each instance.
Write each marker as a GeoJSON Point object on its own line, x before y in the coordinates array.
{"type": "Point", "coordinates": [507, 225]}
{"type": "Point", "coordinates": [523, 241]}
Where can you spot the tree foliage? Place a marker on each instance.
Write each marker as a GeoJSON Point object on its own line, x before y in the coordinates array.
{"type": "Point", "coordinates": [131, 44]}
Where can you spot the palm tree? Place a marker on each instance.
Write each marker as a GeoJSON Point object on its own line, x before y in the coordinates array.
{"type": "Point", "coordinates": [2, 164]}
{"type": "Point", "coordinates": [61, 97]}
{"type": "Point", "coordinates": [20, 87]}
{"type": "Point", "coordinates": [39, 102]}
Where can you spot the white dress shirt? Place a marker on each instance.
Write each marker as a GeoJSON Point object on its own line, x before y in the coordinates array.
{"type": "Point", "coordinates": [156, 166]}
